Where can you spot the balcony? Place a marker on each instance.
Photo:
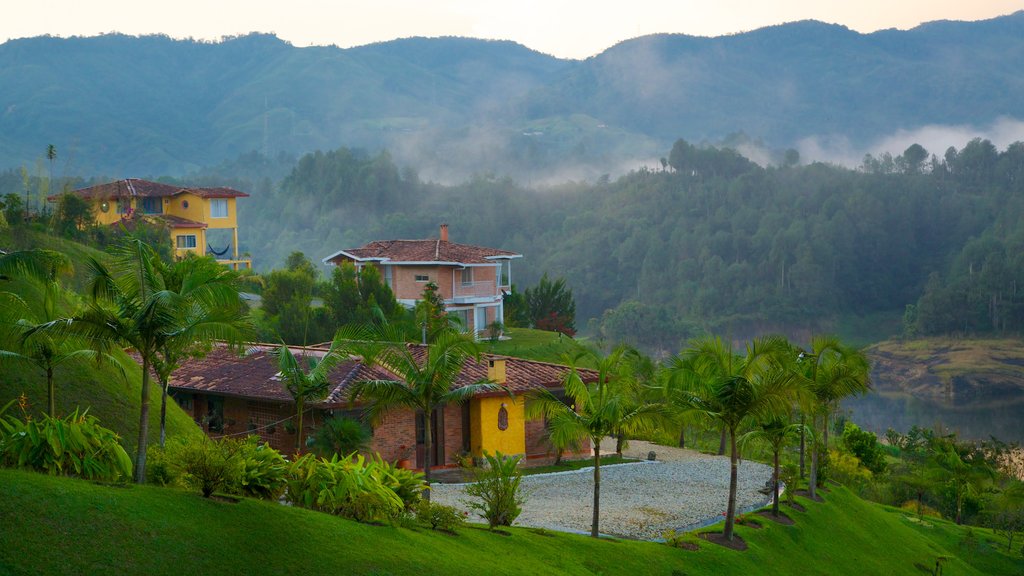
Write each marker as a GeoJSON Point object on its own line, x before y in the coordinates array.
{"type": "Point", "coordinates": [465, 292]}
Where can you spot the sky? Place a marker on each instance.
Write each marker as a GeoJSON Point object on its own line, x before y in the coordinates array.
{"type": "Point", "coordinates": [563, 28]}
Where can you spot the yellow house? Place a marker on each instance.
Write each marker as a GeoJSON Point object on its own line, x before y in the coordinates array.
{"type": "Point", "coordinates": [194, 216]}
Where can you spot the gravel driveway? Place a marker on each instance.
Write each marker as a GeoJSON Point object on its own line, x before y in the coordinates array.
{"type": "Point", "coordinates": [682, 489]}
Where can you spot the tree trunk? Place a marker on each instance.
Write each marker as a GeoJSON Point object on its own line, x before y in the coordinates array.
{"type": "Point", "coordinates": [52, 402]}
{"type": "Point", "coordinates": [140, 456]}
{"type": "Point", "coordinates": [803, 445]}
{"type": "Point", "coordinates": [619, 441]}
{"type": "Point", "coordinates": [812, 484]}
{"type": "Point", "coordinates": [163, 413]}
{"type": "Point", "coordinates": [300, 405]}
{"type": "Point", "coordinates": [427, 449]}
{"type": "Point", "coordinates": [775, 487]}
{"type": "Point", "coordinates": [597, 487]}
{"type": "Point", "coordinates": [721, 443]}
{"type": "Point", "coordinates": [682, 436]}
{"type": "Point", "coordinates": [730, 512]}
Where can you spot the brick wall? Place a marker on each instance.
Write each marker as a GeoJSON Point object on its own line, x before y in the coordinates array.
{"type": "Point", "coordinates": [396, 430]}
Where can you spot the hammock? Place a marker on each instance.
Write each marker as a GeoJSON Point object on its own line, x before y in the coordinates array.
{"type": "Point", "coordinates": [216, 253]}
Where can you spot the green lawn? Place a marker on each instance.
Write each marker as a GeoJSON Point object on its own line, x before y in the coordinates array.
{"type": "Point", "coordinates": [63, 526]}
{"type": "Point", "coordinates": [532, 344]}
{"type": "Point", "coordinates": [568, 465]}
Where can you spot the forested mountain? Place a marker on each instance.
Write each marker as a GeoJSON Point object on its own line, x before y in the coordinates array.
{"type": "Point", "coordinates": [129, 106]}
{"type": "Point", "coordinates": [712, 242]}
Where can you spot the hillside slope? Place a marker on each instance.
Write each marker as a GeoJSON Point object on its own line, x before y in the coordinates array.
{"type": "Point", "coordinates": [163, 531]}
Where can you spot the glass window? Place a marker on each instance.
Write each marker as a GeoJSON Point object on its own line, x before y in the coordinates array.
{"type": "Point", "coordinates": [506, 272]}
{"type": "Point", "coordinates": [422, 278]}
{"type": "Point", "coordinates": [219, 208]}
{"type": "Point", "coordinates": [124, 205]}
{"type": "Point", "coordinates": [187, 241]}
{"type": "Point", "coordinates": [152, 205]}
{"type": "Point", "coordinates": [389, 276]}
{"type": "Point", "coordinates": [467, 275]}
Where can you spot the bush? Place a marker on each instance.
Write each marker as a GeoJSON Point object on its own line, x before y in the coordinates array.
{"type": "Point", "coordinates": [351, 487]}
{"type": "Point", "coordinates": [262, 471]}
{"type": "Point", "coordinates": [341, 436]}
{"type": "Point", "coordinates": [205, 464]}
{"type": "Point", "coordinates": [159, 470]}
{"type": "Point", "coordinates": [439, 516]}
{"type": "Point", "coordinates": [911, 506]}
{"type": "Point", "coordinates": [75, 445]}
{"type": "Point", "coordinates": [497, 488]}
{"type": "Point", "coordinates": [408, 485]}
{"type": "Point", "coordinates": [846, 469]}
{"type": "Point", "coordinates": [864, 445]}
{"type": "Point", "coordinates": [789, 474]}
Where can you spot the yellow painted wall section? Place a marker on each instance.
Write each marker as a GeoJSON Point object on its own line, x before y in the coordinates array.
{"type": "Point", "coordinates": [200, 235]}
{"type": "Point", "coordinates": [108, 217]}
{"type": "Point", "coordinates": [485, 436]}
{"type": "Point", "coordinates": [230, 222]}
{"type": "Point", "coordinates": [195, 211]}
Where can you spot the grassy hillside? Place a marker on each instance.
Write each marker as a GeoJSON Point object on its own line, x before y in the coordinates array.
{"type": "Point", "coordinates": [532, 344]}
{"type": "Point", "coordinates": [101, 389]}
{"type": "Point", "coordinates": [147, 530]}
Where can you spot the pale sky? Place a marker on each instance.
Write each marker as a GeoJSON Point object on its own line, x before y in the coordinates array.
{"type": "Point", "coordinates": [564, 28]}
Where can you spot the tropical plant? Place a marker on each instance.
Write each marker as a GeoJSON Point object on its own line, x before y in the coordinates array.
{"type": "Point", "coordinates": [353, 487]}
{"type": "Point", "coordinates": [551, 306]}
{"type": "Point", "coordinates": [262, 470]}
{"type": "Point", "coordinates": [309, 384]}
{"type": "Point", "coordinates": [342, 436]}
{"type": "Point", "coordinates": [408, 485]}
{"type": "Point", "coordinates": [439, 516]}
{"type": "Point", "coordinates": [206, 464]}
{"type": "Point", "coordinates": [733, 390]}
{"type": "Point", "coordinates": [426, 378]}
{"type": "Point", "coordinates": [75, 445]}
{"type": "Point", "coordinates": [777, 433]}
{"type": "Point", "coordinates": [601, 407]}
{"type": "Point", "coordinates": [497, 489]}
{"type": "Point", "coordinates": [966, 472]}
{"type": "Point", "coordinates": [829, 372]}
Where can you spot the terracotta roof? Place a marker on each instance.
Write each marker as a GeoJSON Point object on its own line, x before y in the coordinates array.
{"type": "Point", "coordinates": [254, 375]}
{"type": "Point", "coordinates": [422, 251]}
{"type": "Point", "coordinates": [178, 221]}
{"type": "Point", "coordinates": [133, 187]}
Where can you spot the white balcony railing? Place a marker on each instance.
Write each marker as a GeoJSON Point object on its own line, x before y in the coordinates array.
{"type": "Point", "coordinates": [475, 289]}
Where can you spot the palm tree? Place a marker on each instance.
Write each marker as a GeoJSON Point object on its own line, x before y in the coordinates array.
{"type": "Point", "coordinates": [733, 390]}
{"type": "Point", "coordinates": [776, 432]}
{"type": "Point", "coordinates": [600, 408]}
{"type": "Point", "coordinates": [215, 308]}
{"type": "Point", "coordinates": [308, 384]}
{"type": "Point", "coordinates": [132, 307]}
{"type": "Point", "coordinates": [830, 372]}
{"type": "Point", "coordinates": [966, 471]}
{"type": "Point", "coordinates": [423, 384]}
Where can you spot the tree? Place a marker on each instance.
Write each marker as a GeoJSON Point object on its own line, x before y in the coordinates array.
{"type": "Point", "coordinates": [430, 313]}
{"type": "Point", "coordinates": [966, 471]}
{"type": "Point", "coordinates": [132, 307]}
{"type": "Point", "coordinates": [776, 432]}
{"type": "Point", "coordinates": [599, 408]}
{"type": "Point", "coordinates": [72, 217]}
{"type": "Point", "coordinates": [309, 383]}
{"type": "Point", "coordinates": [551, 306]}
{"type": "Point", "coordinates": [425, 380]}
{"type": "Point", "coordinates": [829, 372]}
{"type": "Point", "coordinates": [217, 309]}
{"type": "Point", "coordinates": [733, 390]}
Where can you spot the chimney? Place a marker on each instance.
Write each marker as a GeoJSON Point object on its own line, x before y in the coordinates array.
{"type": "Point", "coordinates": [496, 370]}
{"type": "Point", "coordinates": [444, 232]}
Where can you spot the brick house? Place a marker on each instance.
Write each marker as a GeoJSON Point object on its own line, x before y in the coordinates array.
{"type": "Point", "coordinates": [231, 394]}
{"type": "Point", "coordinates": [470, 279]}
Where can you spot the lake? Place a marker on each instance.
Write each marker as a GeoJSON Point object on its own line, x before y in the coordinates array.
{"type": "Point", "coordinates": [880, 411]}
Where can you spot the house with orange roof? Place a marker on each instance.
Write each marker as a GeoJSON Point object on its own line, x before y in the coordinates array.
{"type": "Point", "coordinates": [194, 216]}
{"type": "Point", "coordinates": [470, 279]}
{"type": "Point", "coordinates": [229, 394]}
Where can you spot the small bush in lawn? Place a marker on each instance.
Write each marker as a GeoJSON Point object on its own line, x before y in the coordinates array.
{"type": "Point", "coordinates": [351, 487]}
{"type": "Point", "coordinates": [680, 540]}
{"type": "Point", "coordinates": [262, 470]}
{"type": "Point", "coordinates": [497, 490]}
{"type": "Point", "coordinates": [75, 445]}
{"type": "Point", "coordinates": [205, 464]}
{"type": "Point", "coordinates": [789, 475]}
{"type": "Point", "coordinates": [408, 485]}
{"type": "Point", "coordinates": [439, 516]}
{"type": "Point", "coordinates": [159, 470]}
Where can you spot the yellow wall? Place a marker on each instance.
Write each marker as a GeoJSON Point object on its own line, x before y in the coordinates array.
{"type": "Point", "coordinates": [110, 216]}
{"type": "Point", "coordinates": [196, 207]}
{"type": "Point", "coordinates": [483, 422]}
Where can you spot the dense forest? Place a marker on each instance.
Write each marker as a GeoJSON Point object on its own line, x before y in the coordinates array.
{"type": "Point", "coordinates": [711, 242]}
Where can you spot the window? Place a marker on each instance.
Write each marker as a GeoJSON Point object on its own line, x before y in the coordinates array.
{"type": "Point", "coordinates": [467, 276]}
{"type": "Point", "coordinates": [104, 206]}
{"type": "Point", "coordinates": [187, 241]}
{"type": "Point", "coordinates": [124, 205]}
{"type": "Point", "coordinates": [152, 206]}
{"type": "Point", "coordinates": [463, 316]}
{"type": "Point", "coordinates": [219, 208]}
{"type": "Point", "coordinates": [389, 278]}
{"type": "Point", "coordinates": [506, 273]}
{"type": "Point", "coordinates": [480, 322]}
{"type": "Point", "coordinates": [422, 278]}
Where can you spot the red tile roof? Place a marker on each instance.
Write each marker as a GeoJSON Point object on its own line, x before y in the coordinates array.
{"type": "Point", "coordinates": [254, 375]}
{"type": "Point", "coordinates": [133, 187]}
{"type": "Point", "coordinates": [422, 251]}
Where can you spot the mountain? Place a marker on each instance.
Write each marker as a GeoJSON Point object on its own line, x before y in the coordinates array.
{"type": "Point", "coordinates": [135, 106]}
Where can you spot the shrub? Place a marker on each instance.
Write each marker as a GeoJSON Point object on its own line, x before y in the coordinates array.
{"type": "Point", "coordinates": [497, 488]}
{"type": "Point", "coordinates": [159, 470]}
{"type": "Point", "coordinates": [262, 470]}
{"type": "Point", "coordinates": [351, 487]}
{"type": "Point", "coordinates": [846, 469]}
{"type": "Point", "coordinates": [75, 445]}
{"type": "Point", "coordinates": [683, 540]}
{"type": "Point", "coordinates": [911, 506]}
{"type": "Point", "coordinates": [205, 464]}
{"type": "Point", "coordinates": [864, 445]}
{"type": "Point", "coordinates": [408, 485]}
{"type": "Point", "coordinates": [439, 516]}
{"type": "Point", "coordinates": [341, 436]}
{"type": "Point", "coordinates": [789, 474]}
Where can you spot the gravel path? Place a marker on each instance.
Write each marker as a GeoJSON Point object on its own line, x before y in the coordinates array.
{"type": "Point", "coordinates": [682, 489]}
